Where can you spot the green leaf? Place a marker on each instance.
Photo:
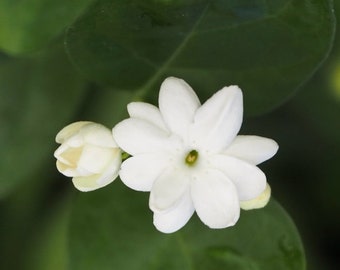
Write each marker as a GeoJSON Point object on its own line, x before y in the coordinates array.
{"type": "Point", "coordinates": [107, 106]}
{"type": "Point", "coordinates": [269, 48]}
{"type": "Point", "coordinates": [51, 240]}
{"type": "Point", "coordinates": [112, 229]}
{"type": "Point", "coordinates": [38, 96]}
{"type": "Point", "coordinates": [28, 25]}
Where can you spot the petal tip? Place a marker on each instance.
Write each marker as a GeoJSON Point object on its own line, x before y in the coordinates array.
{"type": "Point", "coordinates": [69, 130]}
{"type": "Point", "coordinates": [259, 202]}
{"type": "Point", "coordinates": [78, 185]}
{"type": "Point", "coordinates": [235, 89]}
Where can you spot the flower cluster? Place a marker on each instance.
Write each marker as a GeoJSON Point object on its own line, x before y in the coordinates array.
{"type": "Point", "coordinates": [187, 155]}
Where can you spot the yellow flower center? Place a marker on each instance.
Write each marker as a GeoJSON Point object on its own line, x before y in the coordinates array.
{"type": "Point", "coordinates": [191, 158]}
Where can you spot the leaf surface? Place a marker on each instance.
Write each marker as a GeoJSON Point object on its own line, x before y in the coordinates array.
{"type": "Point", "coordinates": [266, 47]}
{"type": "Point", "coordinates": [38, 96]}
{"type": "Point", "coordinates": [112, 229]}
{"type": "Point", "coordinates": [29, 25]}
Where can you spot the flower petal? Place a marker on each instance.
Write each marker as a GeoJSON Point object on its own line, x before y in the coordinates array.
{"type": "Point", "coordinates": [96, 181]}
{"type": "Point", "coordinates": [215, 199]}
{"type": "Point", "coordinates": [248, 179]}
{"type": "Point", "coordinates": [136, 136]}
{"type": "Point", "coordinates": [63, 152]}
{"type": "Point", "coordinates": [74, 141]}
{"type": "Point", "coordinates": [86, 183]}
{"type": "Point", "coordinates": [178, 104]}
{"type": "Point", "coordinates": [98, 134]}
{"type": "Point", "coordinates": [111, 171]}
{"type": "Point", "coordinates": [254, 149]}
{"type": "Point", "coordinates": [95, 158]}
{"type": "Point", "coordinates": [78, 133]}
{"type": "Point", "coordinates": [259, 202]}
{"type": "Point", "coordinates": [147, 112]}
{"type": "Point", "coordinates": [66, 170]}
{"type": "Point", "coordinates": [70, 130]}
{"type": "Point", "coordinates": [67, 161]}
{"type": "Point", "coordinates": [139, 172]}
{"type": "Point", "coordinates": [218, 120]}
{"type": "Point", "coordinates": [168, 189]}
{"type": "Point", "coordinates": [177, 217]}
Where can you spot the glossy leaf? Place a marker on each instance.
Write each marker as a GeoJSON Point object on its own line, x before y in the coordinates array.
{"type": "Point", "coordinates": [29, 25]}
{"type": "Point", "coordinates": [112, 229]}
{"type": "Point", "coordinates": [38, 97]}
{"type": "Point", "coordinates": [269, 48]}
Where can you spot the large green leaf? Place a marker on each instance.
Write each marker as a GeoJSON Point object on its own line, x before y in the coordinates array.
{"type": "Point", "coordinates": [28, 25]}
{"type": "Point", "coordinates": [269, 48]}
{"type": "Point", "coordinates": [48, 248]}
{"type": "Point", "coordinates": [38, 97]}
{"type": "Point", "coordinates": [112, 229]}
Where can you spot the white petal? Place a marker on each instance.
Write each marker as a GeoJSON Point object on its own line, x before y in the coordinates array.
{"type": "Point", "coordinates": [147, 112]}
{"type": "Point", "coordinates": [111, 171]}
{"type": "Point", "coordinates": [218, 120]}
{"type": "Point", "coordinates": [177, 217]}
{"type": "Point", "coordinates": [67, 161]}
{"type": "Point", "coordinates": [253, 149]}
{"type": "Point", "coordinates": [71, 171]}
{"type": "Point", "coordinates": [86, 183]}
{"type": "Point", "coordinates": [178, 104]}
{"type": "Point", "coordinates": [77, 133]}
{"type": "Point", "coordinates": [248, 179]}
{"type": "Point", "coordinates": [215, 199]}
{"type": "Point", "coordinates": [70, 130]}
{"type": "Point", "coordinates": [259, 202]}
{"type": "Point", "coordinates": [168, 189]}
{"type": "Point", "coordinates": [139, 172]}
{"type": "Point", "coordinates": [136, 136]}
{"type": "Point", "coordinates": [59, 154]}
{"type": "Point", "coordinates": [74, 141]}
{"type": "Point", "coordinates": [95, 158]}
{"type": "Point", "coordinates": [97, 134]}
{"type": "Point", "coordinates": [96, 181]}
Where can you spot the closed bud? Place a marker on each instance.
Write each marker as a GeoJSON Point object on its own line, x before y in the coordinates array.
{"type": "Point", "coordinates": [89, 154]}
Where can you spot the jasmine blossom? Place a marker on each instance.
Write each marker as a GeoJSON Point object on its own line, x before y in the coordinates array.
{"type": "Point", "coordinates": [189, 157]}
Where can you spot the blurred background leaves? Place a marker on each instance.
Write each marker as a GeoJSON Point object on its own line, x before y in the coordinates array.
{"type": "Point", "coordinates": [268, 49]}
{"type": "Point", "coordinates": [29, 25]}
{"type": "Point", "coordinates": [38, 94]}
{"type": "Point", "coordinates": [263, 239]}
{"type": "Point", "coordinates": [120, 51]}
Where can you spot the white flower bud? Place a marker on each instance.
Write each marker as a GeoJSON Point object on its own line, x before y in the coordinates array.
{"type": "Point", "coordinates": [259, 202]}
{"type": "Point", "coordinates": [89, 154]}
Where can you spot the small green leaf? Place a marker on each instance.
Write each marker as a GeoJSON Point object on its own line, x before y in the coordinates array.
{"type": "Point", "coordinates": [38, 97]}
{"type": "Point", "coordinates": [268, 48]}
{"type": "Point", "coordinates": [112, 229]}
{"type": "Point", "coordinates": [29, 25]}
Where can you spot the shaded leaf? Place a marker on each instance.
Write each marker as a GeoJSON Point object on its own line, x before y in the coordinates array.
{"type": "Point", "coordinates": [37, 97]}
{"type": "Point", "coordinates": [29, 25]}
{"type": "Point", "coordinates": [107, 106]}
{"type": "Point", "coordinates": [49, 247]}
{"type": "Point", "coordinates": [112, 226]}
{"type": "Point", "coordinates": [266, 47]}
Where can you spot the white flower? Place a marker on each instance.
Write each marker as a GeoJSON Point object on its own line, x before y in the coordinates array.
{"type": "Point", "coordinates": [190, 157]}
{"type": "Point", "coordinates": [89, 154]}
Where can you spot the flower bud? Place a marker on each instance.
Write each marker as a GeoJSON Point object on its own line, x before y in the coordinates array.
{"type": "Point", "coordinates": [89, 154]}
{"type": "Point", "coordinates": [259, 202]}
